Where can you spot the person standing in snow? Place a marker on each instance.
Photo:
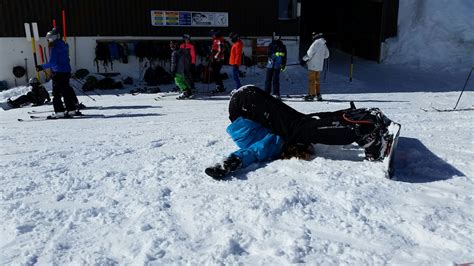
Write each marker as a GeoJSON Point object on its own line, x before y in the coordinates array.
{"type": "Point", "coordinates": [37, 96]}
{"type": "Point", "coordinates": [180, 67]}
{"type": "Point", "coordinates": [275, 64]}
{"type": "Point", "coordinates": [317, 52]}
{"type": "Point", "coordinates": [235, 59]}
{"type": "Point", "coordinates": [217, 59]}
{"type": "Point", "coordinates": [61, 73]}
{"type": "Point", "coordinates": [265, 128]}
{"type": "Point", "coordinates": [188, 45]}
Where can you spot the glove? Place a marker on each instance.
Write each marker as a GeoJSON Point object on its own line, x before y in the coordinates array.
{"type": "Point", "coordinates": [282, 68]}
{"type": "Point", "coordinates": [39, 68]}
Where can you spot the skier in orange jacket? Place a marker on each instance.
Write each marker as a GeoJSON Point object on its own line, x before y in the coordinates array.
{"type": "Point", "coordinates": [235, 59]}
{"type": "Point", "coordinates": [188, 45]}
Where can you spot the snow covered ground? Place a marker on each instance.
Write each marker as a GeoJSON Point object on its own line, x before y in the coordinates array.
{"type": "Point", "coordinates": [129, 188]}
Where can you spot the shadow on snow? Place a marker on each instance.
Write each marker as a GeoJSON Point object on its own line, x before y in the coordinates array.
{"type": "Point", "coordinates": [414, 162]}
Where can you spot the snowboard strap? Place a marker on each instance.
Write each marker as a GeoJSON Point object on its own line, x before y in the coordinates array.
{"type": "Point", "coordinates": [346, 117]}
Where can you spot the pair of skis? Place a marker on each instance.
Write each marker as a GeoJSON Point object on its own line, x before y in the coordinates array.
{"type": "Point", "coordinates": [195, 95]}
{"type": "Point", "coordinates": [38, 115]}
{"type": "Point", "coordinates": [459, 98]}
{"type": "Point", "coordinates": [145, 89]}
{"type": "Point", "coordinates": [34, 118]}
{"type": "Point", "coordinates": [35, 112]}
{"type": "Point", "coordinates": [435, 109]}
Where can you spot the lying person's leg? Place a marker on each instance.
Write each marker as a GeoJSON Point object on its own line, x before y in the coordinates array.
{"type": "Point", "coordinates": [268, 148]}
{"type": "Point", "coordinates": [23, 99]}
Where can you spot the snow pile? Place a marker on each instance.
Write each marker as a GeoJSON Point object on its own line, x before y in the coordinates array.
{"type": "Point", "coordinates": [437, 34]}
{"type": "Point", "coordinates": [13, 93]}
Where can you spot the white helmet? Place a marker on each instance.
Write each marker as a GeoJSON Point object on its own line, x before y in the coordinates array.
{"type": "Point", "coordinates": [52, 35]}
{"type": "Point", "coordinates": [33, 80]}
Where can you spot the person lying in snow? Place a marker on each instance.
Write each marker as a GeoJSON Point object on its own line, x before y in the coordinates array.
{"type": "Point", "coordinates": [37, 96]}
{"type": "Point", "coordinates": [265, 128]}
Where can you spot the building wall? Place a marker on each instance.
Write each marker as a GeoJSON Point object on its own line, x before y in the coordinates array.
{"type": "Point", "coordinates": [132, 17]}
{"type": "Point", "coordinates": [90, 20]}
{"type": "Point", "coordinates": [13, 51]}
{"type": "Point", "coordinates": [82, 53]}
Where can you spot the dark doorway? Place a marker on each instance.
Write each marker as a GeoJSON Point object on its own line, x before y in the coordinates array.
{"type": "Point", "coordinates": [354, 26]}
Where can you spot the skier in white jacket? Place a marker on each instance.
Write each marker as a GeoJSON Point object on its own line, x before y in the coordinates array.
{"type": "Point", "coordinates": [317, 52]}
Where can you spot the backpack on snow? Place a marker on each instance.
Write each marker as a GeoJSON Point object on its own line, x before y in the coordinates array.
{"type": "Point", "coordinates": [90, 84]}
{"type": "Point", "coordinates": [108, 84]}
{"type": "Point", "coordinates": [156, 76]}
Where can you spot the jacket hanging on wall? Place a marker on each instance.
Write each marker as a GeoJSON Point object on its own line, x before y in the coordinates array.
{"type": "Point", "coordinates": [102, 54]}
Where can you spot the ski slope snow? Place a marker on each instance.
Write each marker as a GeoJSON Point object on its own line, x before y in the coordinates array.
{"type": "Point", "coordinates": [130, 187]}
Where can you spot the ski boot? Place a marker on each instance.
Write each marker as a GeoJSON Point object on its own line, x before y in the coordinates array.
{"type": "Point", "coordinates": [373, 147]}
{"type": "Point", "coordinates": [375, 143]}
{"type": "Point", "coordinates": [380, 147]}
{"type": "Point", "coordinates": [276, 96]}
{"type": "Point", "coordinates": [308, 98]}
{"type": "Point", "coordinates": [73, 113]}
{"type": "Point", "coordinates": [220, 170]}
{"type": "Point", "coordinates": [319, 98]}
{"type": "Point", "coordinates": [187, 94]}
{"type": "Point", "coordinates": [59, 115]}
{"type": "Point", "coordinates": [218, 89]}
{"type": "Point", "coordinates": [11, 104]}
{"type": "Point", "coordinates": [80, 106]}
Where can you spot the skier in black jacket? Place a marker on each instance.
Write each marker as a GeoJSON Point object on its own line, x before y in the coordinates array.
{"type": "Point", "coordinates": [275, 64]}
{"type": "Point", "coordinates": [37, 96]}
{"type": "Point", "coordinates": [180, 69]}
{"type": "Point", "coordinates": [363, 126]}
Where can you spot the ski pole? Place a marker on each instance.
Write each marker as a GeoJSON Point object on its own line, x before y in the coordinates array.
{"type": "Point", "coordinates": [325, 70]}
{"type": "Point", "coordinates": [33, 44]}
{"type": "Point", "coordinates": [82, 83]}
{"type": "Point", "coordinates": [207, 75]}
{"type": "Point", "coordinates": [465, 84]}
{"type": "Point", "coordinates": [26, 70]}
{"type": "Point", "coordinates": [42, 51]}
{"type": "Point", "coordinates": [45, 54]}
{"type": "Point", "coordinates": [41, 55]}
{"type": "Point", "coordinates": [63, 13]}
{"type": "Point", "coordinates": [87, 94]}
{"type": "Point", "coordinates": [352, 66]}
{"type": "Point", "coordinates": [82, 89]}
{"type": "Point", "coordinates": [294, 64]}
{"type": "Point", "coordinates": [288, 77]}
